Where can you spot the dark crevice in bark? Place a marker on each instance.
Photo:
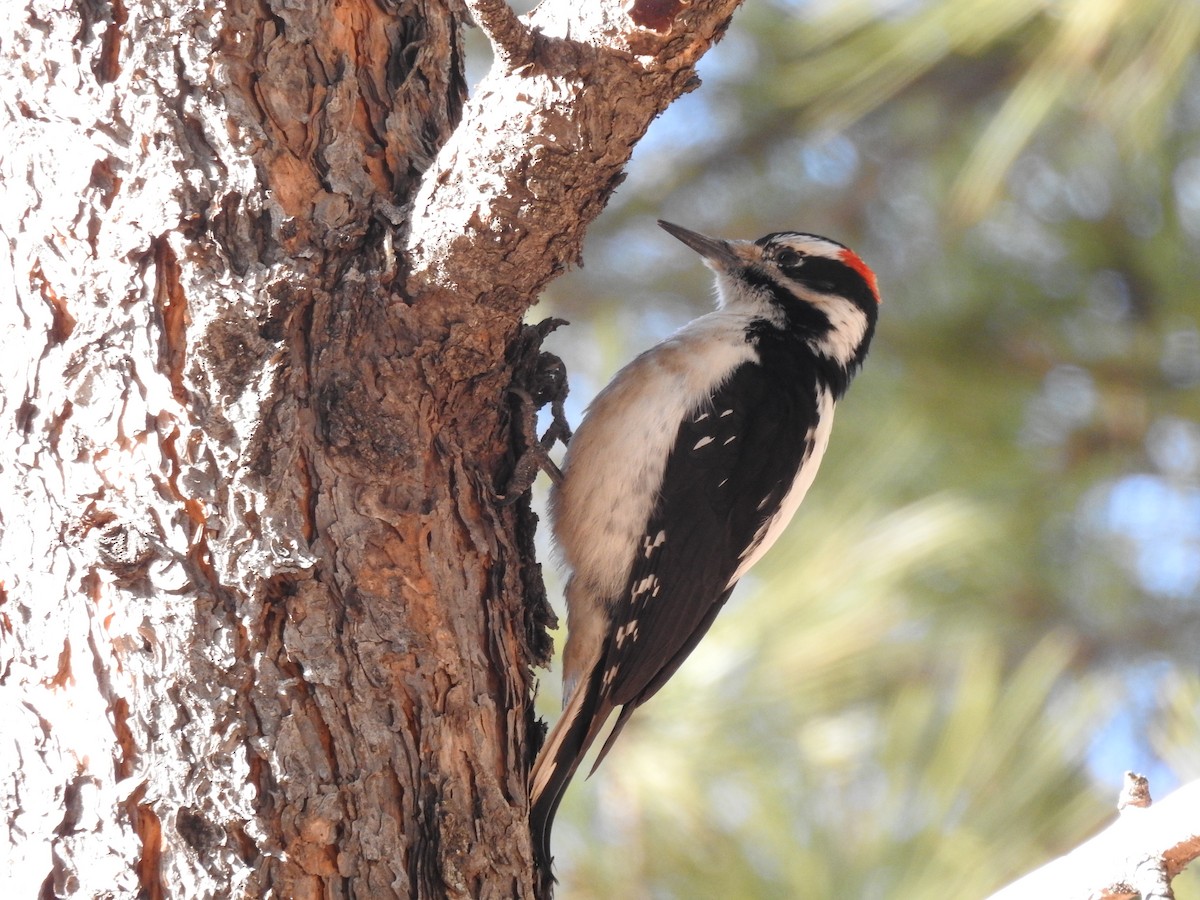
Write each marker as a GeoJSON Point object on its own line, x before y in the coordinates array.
{"type": "Point", "coordinates": [106, 65]}
{"type": "Point", "coordinates": [171, 303]}
{"type": "Point", "coordinates": [62, 323]}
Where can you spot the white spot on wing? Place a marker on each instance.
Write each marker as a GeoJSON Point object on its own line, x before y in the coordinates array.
{"type": "Point", "coordinates": [649, 545]}
{"type": "Point", "coordinates": [728, 412]}
{"type": "Point", "coordinates": [626, 631]}
{"type": "Point", "coordinates": [644, 587]}
{"type": "Point", "coordinates": [703, 442]}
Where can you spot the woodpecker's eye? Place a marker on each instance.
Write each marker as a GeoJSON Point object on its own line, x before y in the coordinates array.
{"type": "Point", "coordinates": [788, 259]}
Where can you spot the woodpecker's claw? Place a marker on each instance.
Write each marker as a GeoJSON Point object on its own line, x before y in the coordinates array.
{"type": "Point", "coordinates": [539, 378]}
{"type": "Point", "coordinates": [536, 457]}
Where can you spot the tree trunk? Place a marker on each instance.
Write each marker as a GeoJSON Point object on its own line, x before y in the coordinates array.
{"type": "Point", "coordinates": [264, 627]}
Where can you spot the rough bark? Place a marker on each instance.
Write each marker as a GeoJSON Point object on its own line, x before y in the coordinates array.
{"type": "Point", "coordinates": [263, 625]}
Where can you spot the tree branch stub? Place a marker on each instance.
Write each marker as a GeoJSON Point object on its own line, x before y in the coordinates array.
{"type": "Point", "coordinates": [511, 39]}
{"type": "Point", "coordinates": [1139, 853]}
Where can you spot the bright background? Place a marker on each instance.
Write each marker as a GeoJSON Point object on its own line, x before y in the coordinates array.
{"type": "Point", "coordinates": [989, 606]}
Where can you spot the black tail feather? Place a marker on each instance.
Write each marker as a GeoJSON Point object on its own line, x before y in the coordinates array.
{"type": "Point", "coordinates": [564, 749]}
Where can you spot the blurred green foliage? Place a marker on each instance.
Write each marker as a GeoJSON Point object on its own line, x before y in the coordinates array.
{"type": "Point", "coordinates": [989, 606]}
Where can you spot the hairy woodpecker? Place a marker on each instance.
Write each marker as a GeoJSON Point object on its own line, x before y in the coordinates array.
{"type": "Point", "coordinates": [685, 470]}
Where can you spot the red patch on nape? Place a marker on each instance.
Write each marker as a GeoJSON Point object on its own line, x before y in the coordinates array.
{"type": "Point", "coordinates": [854, 261]}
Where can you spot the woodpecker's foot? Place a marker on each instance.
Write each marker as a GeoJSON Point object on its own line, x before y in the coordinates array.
{"type": "Point", "coordinates": [539, 378]}
{"type": "Point", "coordinates": [536, 457]}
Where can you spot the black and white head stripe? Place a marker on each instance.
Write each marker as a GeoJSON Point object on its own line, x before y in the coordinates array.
{"type": "Point", "coordinates": [821, 291]}
{"type": "Point", "coordinates": [818, 261]}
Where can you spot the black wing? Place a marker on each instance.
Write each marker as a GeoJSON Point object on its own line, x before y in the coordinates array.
{"type": "Point", "coordinates": [733, 462]}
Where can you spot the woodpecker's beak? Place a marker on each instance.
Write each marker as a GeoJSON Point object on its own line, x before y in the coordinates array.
{"type": "Point", "coordinates": [720, 254]}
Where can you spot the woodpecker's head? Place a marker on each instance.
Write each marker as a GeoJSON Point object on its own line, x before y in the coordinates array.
{"type": "Point", "coordinates": [799, 282]}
